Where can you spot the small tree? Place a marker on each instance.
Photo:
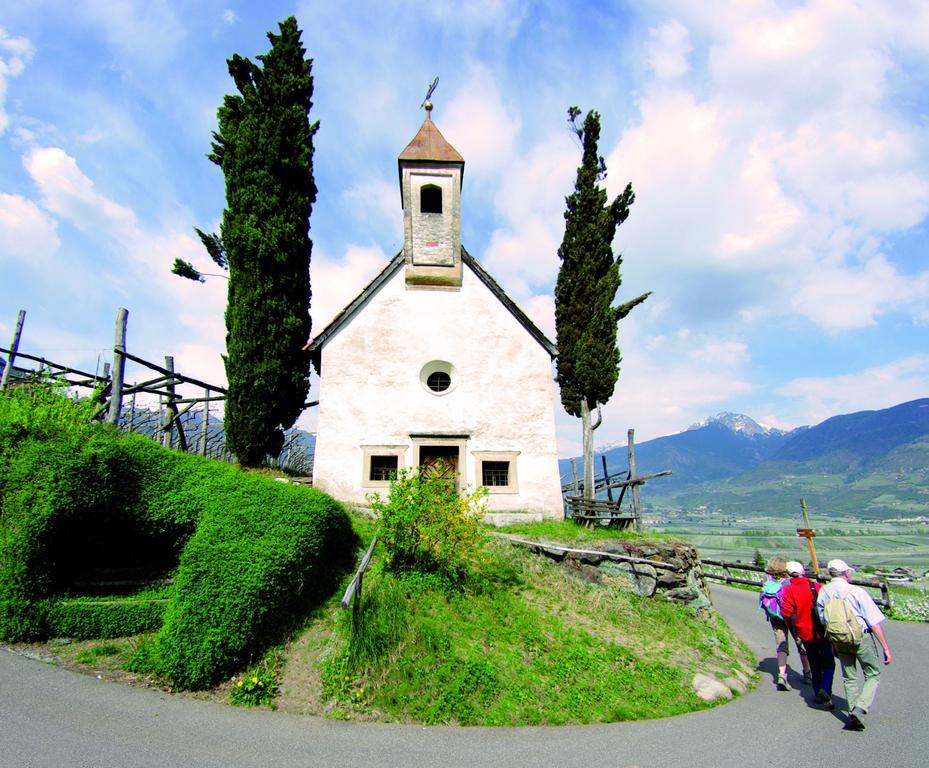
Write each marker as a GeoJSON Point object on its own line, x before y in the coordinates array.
{"type": "Point", "coordinates": [425, 524]}
{"type": "Point", "coordinates": [264, 146]}
{"type": "Point", "coordinates": [585, 318]}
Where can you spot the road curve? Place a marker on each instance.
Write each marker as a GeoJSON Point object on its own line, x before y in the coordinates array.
{"type": "Point", "coordinates": [52, 717]}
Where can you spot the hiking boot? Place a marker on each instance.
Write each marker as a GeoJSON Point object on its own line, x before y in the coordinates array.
{"type": "Point", "coordinates": [824, 700]}
{"type": "Point", "coordinates": [782, 684]}
{"type": "Point", "coordinates": [854, 723]}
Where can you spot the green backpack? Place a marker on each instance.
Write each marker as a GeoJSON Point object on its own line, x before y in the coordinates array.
{"type": "Point", "coordinates": [840, 624]}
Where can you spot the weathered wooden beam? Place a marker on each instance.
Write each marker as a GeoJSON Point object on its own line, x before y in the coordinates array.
{"type": "Point", "coordinates": [119, 366]}
{"type": "Point", "coordinates": [43, 363]}
{"type": "Point", "coordinates": [177, 376]}
{"type": "Point", "coordinates": [606, 478]}
{"type": "Point", "coordinates": [354, 586]}
{"type": "Point", "coordinates": [641, 479]}
{"type": "Point", "coordinates": [204, 427]}
{"type": "Point", "coordinates": [14, 348]}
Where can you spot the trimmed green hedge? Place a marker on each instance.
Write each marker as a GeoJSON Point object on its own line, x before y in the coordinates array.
{"type": "Point", "coordinates": [86, 620]}
{"type": "Point", "coordinates": [262, 554]}
{"type": "Point", "coordinates": [251, 554]}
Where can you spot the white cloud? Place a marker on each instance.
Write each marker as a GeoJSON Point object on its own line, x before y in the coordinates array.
{"type": "Point", "coordinates": [668, 49]}
{"type": "Point", "coordinates": [667, 382]}
{"type": "Point", "coordinates": [765, 189]}
{"type": "Point", "coordinates": [336, 283]}
{"type": "Point", "coordinates": [818, 398]}
{"type": "Point", "coordinates": [480, 125]}
{"type": "Point", "coordinates": [523, 250]}
{"type": "Point", "coordinates": [15, 53]}
{"type": "Point", "coordinates": [27, 234]}
{"type": "Point", "coordinates": [66, 191]}
{"type": "Point", "coordinates": [230, 16]}
{"type": "Point", "coordinates": [541, 310]}
{"type": "Point", "coordinates": [379, 200]}
{"type": "Point", "coordinates": [131, 255]}
{"type": "Point", "coordinates": [840, 298]}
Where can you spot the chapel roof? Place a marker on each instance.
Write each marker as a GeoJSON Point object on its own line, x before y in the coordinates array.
{"type": "Point", "coordinates": [345, 316]}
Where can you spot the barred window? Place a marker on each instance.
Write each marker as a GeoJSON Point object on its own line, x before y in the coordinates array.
{"type": "Point", "coordinates": [383, 467]}
{"type": "Point", "coordinates": [439, 381]}
{"type": "Point", "coordinates": [495, 473]}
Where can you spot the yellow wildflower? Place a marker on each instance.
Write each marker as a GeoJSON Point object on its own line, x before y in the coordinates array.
{"type": "Point", "coordinates": [239, 684]}
{"type": "Point", "coordinates": [254, 679]}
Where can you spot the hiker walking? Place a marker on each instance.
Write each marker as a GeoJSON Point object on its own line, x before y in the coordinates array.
{"type": "Point", "coordinates": [852, 622]}
{"type": "Point", "coordinates": [770, 602]}
{"type": "Point", "coordinates": [798, 607]}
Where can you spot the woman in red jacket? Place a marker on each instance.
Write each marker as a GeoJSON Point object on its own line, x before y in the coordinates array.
{"type": "Point", "coordinates": [798, 607]}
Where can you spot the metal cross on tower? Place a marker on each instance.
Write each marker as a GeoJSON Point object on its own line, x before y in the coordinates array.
{"type": "Point", "coordinates": [426, 103]}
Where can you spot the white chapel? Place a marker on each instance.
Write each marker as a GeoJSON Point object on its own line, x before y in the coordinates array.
{"type": "Point", "coordinates": [433, 362]}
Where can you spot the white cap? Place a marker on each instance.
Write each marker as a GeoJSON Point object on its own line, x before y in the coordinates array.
{"type": "Point", "coordinates": [794, 568]}
{"type": "Point", "coordinates": [838, 567]}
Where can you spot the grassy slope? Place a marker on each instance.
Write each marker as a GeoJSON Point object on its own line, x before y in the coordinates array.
{"type": "Point", "coordinates": [521, 642]}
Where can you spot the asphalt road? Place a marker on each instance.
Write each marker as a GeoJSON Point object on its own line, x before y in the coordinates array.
{"type": "Point", "coordinates": [52, 717]}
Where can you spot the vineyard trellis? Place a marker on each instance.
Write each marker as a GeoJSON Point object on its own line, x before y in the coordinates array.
{"type": "Point", "coordinates": [173, 419]}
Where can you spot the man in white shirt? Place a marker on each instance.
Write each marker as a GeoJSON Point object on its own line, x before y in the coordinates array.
{"type": "Point", "coordinates": [864, 654]}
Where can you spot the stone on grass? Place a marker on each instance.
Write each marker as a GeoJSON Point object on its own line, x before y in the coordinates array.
{"type": "Point", "coordinates": [735, 685]}
{"type": "Point", "coordinates": [709, 688]}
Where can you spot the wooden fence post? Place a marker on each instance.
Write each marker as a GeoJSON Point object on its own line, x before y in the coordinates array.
{"type": "Point", "coordinates": [131, 413]}
{"type": "Point", "coordinates": [635, 488]}
{"type": "Point", "coordinates": [206, 421]}
{"type": "Point", "coordinates": [14, 348]}
{"type": "Point", "coordinates": [119, 366]}
{"type": "Point", "coordinates": [167, 418]}
{"type": "Point", "coordinates": [606, 478]}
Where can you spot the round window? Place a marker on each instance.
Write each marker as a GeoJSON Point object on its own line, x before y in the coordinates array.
{"type": "Point", "coordinates": [438, 381]}
{"type": "Point", "coordinates": [438, 377]}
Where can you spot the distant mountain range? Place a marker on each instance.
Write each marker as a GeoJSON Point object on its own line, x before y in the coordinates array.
{"type": "Point", "coordinates": [866, 464]}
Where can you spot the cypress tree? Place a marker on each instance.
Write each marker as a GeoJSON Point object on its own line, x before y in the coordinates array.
{"type": "Point", "coordinates": [264, 146]}
{"type": "Point", "coordinates": [589, 277]}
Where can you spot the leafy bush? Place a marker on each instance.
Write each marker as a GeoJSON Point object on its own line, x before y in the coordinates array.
{"type": "Point", "coordinates": [79, 500]}
{"type": "Point", "coordinates": [263, 551]}
{"type": "Point", "coordinates": [84, 620]}
{"type": "Point", "coordinates": [425, 524]}
{"type": "Point", "coordinates": [250, 553]}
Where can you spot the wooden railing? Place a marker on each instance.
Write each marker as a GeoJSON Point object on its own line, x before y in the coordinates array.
{"type": "Point", "coordinates": [353, 591]}
{"type": "Point", "coordinates": [728, 578]}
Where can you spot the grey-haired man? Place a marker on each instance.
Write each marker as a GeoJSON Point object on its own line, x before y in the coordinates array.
{"type": "Point", "coordinates": [863, 655]}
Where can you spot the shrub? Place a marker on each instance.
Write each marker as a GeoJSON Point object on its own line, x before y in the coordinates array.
{"type": "Point", "coordinates": [250, 553]}
{"type": "Point", "coordinates": [425, 524]}
{"type": "Point", "coordinates": [74, 502]}
{"type": "Point", "coordinates": [263, 552]}
{"type": "Point", "coordinates": [84, 620]}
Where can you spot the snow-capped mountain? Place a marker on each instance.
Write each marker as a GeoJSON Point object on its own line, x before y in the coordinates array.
{"type": "Point", "coordinates": [737, 422]}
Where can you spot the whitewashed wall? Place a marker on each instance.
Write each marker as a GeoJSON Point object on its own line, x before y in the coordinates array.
{"type": "Point", "coordinates": [371, 393]}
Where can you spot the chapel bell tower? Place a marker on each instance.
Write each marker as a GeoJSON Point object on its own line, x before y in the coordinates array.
{"type": "Point", "coordinates": [431, 172]}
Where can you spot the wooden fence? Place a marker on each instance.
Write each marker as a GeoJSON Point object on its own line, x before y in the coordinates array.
{"type": "Point", "coordinates": [879, 584]}
{"type": "Point", "coordinates": [608, 509]}
{"type": "Point", "coordinates": [176, 422]}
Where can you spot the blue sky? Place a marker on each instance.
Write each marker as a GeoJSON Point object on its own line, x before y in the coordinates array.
{"type": "Point", "coordinates": [779, 152]}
